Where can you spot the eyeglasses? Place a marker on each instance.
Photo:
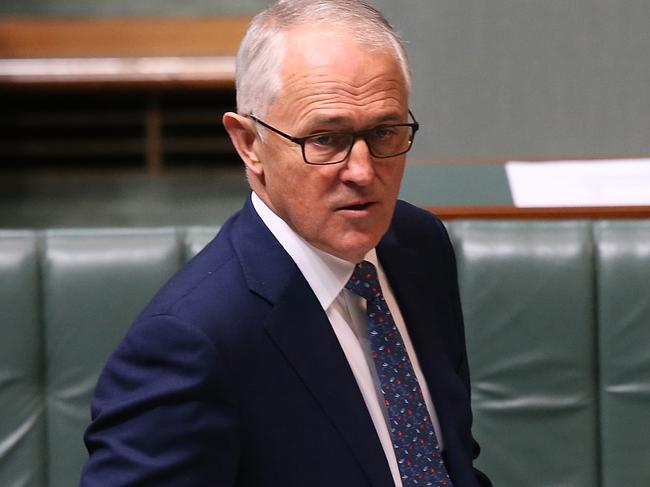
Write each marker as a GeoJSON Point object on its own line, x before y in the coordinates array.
{"type": "Point", "coordinates": [324, 148]}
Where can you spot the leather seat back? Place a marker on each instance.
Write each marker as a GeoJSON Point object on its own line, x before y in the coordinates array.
{"type": "Point", "coordinates": [557, 321]}
{"type": "Point", "coordinates": [623, 290]}
{"type": "Point", "coordinates": [22, 404]}
{"type": "Point", "coordinates": [94, 284]}
{"type": "Point", "coordinates": [527, 293]}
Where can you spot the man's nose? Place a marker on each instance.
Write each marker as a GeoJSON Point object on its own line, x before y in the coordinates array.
{"type": "Point", "coordinates": [359, 168]}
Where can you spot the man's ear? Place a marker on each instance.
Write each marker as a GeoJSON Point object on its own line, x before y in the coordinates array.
{"type": "Point", "coordinates": [243, 137]}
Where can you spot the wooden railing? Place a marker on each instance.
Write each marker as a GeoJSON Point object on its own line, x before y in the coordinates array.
{"type": "Point", "coordinates": [553, 213]}
{"type": "Point", "coordinates": [62, 62]}
{"type": "Point", "coordinates": [119, 51]}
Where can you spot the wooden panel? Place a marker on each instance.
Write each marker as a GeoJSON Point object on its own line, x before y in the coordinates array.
{"type": "Point", "coordinates": [120, 37]}
{"type": "Point", "coordinates": [216, 72]}
{"type": "Point", "coordinates": [510, 212]}
{"type": "Point", "coordinates": [124, 52]}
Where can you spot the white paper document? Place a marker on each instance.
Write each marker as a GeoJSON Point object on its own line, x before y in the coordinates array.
{"type": "Point", "coordinates": [624, 182]}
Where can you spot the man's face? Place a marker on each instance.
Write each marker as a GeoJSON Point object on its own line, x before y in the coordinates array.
{"type": "Point", "coordinates": [332, 83]}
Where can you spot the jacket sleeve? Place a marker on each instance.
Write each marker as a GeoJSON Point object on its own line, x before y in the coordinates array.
{"type": "Point", "coordinates": [164, 412]}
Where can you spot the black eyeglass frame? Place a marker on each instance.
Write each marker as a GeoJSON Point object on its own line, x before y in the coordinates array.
{"type": "Point", "coordinates": [362, 134]}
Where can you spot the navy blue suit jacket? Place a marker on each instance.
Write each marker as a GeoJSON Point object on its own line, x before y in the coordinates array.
{"type": "Point", "coordinates": [233, 376]}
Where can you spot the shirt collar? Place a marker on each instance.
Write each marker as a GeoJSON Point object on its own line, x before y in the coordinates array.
{"type": "Point", "coordinates": [326, 274]}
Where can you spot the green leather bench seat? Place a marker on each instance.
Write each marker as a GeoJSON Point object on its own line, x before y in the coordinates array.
{"type": "Point", "coordinates": [558, 330]}
{"type": "Point", "coordinates": [623, 290]}
{"type": "Point", "coordinates": [95, 283]}
{"type": "Point", "coordinates": [66, 299]}
{"type": "Point", "coordinates": [22, 411]}
{"type": "Point", "coordinates": [529, 310]}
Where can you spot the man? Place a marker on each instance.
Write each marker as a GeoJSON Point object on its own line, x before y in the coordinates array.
{"type": "Point", "coordinates": [263, 362]}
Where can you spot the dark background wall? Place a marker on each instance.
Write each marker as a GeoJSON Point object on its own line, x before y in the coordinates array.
{"type": "Point", "coordinates": [493, 79]}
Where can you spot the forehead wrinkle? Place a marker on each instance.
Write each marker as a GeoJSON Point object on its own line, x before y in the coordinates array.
{"type": "Point", "coordinates": [383, 102]}
{"type": "Point", "coordinates": [327, 85]}
{"type": "Point", "coordinates": [326, 101]}
{"type": "Point", "coordinates": [332, 95]}
{"type": "Point", "coordinates": [314, 113]}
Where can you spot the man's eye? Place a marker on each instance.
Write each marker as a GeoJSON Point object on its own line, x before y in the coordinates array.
{"type": "Point", "coordinates": [330, 140]}
{"type": "Point", "coordinates": [383, 132]}
{"type": "Point", "coordinates": [323, 139]}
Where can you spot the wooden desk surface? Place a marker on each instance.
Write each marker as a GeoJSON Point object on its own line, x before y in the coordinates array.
{"type": "Point", "coordinates": [165, 52]}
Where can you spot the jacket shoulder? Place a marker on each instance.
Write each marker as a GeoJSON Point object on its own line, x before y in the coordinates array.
{"type": "Point", "coordinates": [411, 224]}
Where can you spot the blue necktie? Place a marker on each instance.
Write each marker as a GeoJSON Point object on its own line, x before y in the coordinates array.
{"type": "Point", "coordinates": [414, 439]}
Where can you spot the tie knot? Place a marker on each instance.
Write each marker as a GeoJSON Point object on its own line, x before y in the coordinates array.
{"type": "Point", "coordinates": [364, 281]}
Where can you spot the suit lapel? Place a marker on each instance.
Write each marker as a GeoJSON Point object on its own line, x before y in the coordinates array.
{"type": "Point", "coordinates": [300, 329]}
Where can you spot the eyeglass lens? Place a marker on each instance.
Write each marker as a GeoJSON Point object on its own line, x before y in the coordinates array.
{"type": "Point", "coordinates": [334, 147]}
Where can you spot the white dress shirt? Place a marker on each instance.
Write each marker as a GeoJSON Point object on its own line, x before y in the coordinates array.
{"type": "Point", "coordinates": [327, 276]}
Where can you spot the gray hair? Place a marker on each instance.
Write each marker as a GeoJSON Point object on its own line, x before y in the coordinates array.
{"type": "Point", "coordinates": [261, 53]}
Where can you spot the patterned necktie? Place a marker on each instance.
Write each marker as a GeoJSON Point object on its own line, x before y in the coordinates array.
{"type": "Point", "coordinates": [411, 430]}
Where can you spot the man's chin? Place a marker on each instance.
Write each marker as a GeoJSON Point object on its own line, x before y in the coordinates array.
{"type": "Point", "coordinates": [356, 249]}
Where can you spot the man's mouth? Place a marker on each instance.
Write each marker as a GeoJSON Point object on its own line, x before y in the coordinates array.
{"type": "Point", "coordinates": [359, 206]}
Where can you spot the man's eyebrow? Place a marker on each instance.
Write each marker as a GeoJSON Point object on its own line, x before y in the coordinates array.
{"type": "Point", "coordinates": [328, 120]}
{"type": "Point", "coordinates": [389, 117]}
{"type": "Point", "coordinates": [340, 120]}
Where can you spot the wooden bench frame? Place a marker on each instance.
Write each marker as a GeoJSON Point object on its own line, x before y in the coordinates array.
{"type": "Point", "coordinates": [163, 52]}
